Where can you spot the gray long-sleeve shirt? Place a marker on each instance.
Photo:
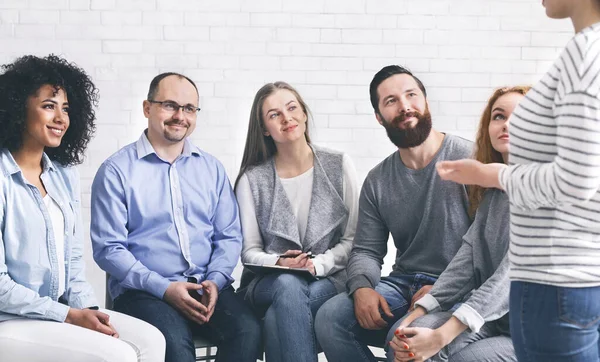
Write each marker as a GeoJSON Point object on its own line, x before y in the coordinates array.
{"type": "Point", "coordinates": [426, 216]}
{"type": "Point", "coordinates": [478, 274]}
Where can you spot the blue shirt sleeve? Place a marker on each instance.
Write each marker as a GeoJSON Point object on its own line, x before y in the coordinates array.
{"type": "Point", "coordinates": [108, 232]}
{"type": "Point", "coordinates": [227, 239]}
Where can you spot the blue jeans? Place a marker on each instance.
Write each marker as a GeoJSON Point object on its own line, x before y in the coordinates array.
{"type": "Point", "coordinates": [233, 327]}
{"type": "Point", "coordinates": [554, 324]}
{"type": "Point", "coordinates": [338, 331]}
{"type": "Point", "coordinates": [291, 303]}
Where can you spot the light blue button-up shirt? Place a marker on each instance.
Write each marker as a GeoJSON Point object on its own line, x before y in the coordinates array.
{"type": "Point", "coordinates": [28, 257]}
{"type": "Point", "coordinates": [154, 222]}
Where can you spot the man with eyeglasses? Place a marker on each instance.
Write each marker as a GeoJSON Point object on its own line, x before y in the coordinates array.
{"type": "Point", "coordinates": [165, 228]}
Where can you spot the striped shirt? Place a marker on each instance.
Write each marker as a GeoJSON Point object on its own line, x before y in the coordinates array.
{"type": "Point", "coordinates": [554, 173]}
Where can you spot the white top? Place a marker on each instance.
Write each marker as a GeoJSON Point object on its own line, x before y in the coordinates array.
{"type": "Point", "coordinates": [299, 192]}
{"type": "Point", "coordinates": [58, 226]}
{"type": "Point", "coordinates": [554, 173]}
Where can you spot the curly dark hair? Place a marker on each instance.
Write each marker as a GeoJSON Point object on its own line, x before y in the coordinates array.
{"type": "Point", "coordinates": [23, 78]}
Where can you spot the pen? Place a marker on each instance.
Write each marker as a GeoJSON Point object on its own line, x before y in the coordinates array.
{"type": "Point", "coordinates": [308, 255]}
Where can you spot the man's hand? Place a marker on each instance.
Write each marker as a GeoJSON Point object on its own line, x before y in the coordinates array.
{"type": "Point", "coordinates": [178, 296]}
{"type": "Point", "coordinates": [367, 303]}
{"type": "Point", "coordinates": [210, 294]}
{"type": "Point", "coordinates": [420, 294]}
{"type": "Point", "coordinates": [91, 319]}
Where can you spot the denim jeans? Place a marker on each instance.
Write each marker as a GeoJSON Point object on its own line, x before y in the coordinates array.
{"type": "Point", "coordinates": [290, 303]}
{"type": "Point", "coordinates": [338, 331]}
{"type": "Point", "coordinates": [233, 327]}
{"type": "Point", "coordinates": [552, 324]}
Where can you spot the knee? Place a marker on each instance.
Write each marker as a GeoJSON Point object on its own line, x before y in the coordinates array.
{"type": "Point", "coordinates": [390, 334]}
{"type": "Point", "coordinates": [153, 341]}
{"type": "Point", "coordinates": [333, 314]}
{"type": "Point", "coordinates": [248, 327]}
{"type": "Point", "coordinates": [123, 353]}
{"type": "Point", "coordinates": [431, 320]}
{"type": "Point", "coordinates": [289, 289]}
{"type": "Point", "coordinates": [289, 283]}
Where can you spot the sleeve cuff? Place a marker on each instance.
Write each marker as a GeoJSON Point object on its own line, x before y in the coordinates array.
{"type": "Point", "coordinates": [469, 317]}
{"type": "Point", "coordinates": [219, 279]}
{"type": "Point", "coordinates": [57, 312]}
{"type": "Point", "coordinates": [319, 268]}
{"type": "Point", "coordinates": [359, 281]}
{"type": "Point", "coordinates": [270, 259]}
{"type": "Point", "coordinates": [503, 178]}
{"type": "Point", "coordinates": [82, 302]}
{"type": "Point", "coordinates": [428, 302]}
{"type": "Point", "coordinates": [157, 285]}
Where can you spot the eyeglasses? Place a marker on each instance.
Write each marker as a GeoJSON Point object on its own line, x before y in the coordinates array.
{"type": "Point", "coordinates": [172, 107]}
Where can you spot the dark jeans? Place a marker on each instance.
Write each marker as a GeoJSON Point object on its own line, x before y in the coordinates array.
{"type": "Point", "coordinates": [233, 327]}
{"type": "Point", "coordinates": [554, 324]}
{"type": "Point", "coordinates": [338, 331]}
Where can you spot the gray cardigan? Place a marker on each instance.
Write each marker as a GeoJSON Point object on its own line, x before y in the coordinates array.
{"type": "Point", "coordinates": [478, 274]}
{"type": "Point", "coordinates": [327, 218]}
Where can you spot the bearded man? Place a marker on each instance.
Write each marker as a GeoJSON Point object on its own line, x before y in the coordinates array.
{"type": "Point", "coordinates": [403, 195]}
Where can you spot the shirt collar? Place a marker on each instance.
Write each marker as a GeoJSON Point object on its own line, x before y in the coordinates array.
{"type": "Point", "coordinates": [144, 147]}
{"type": "Point", "coordinates": [47, 163]}
{"type": "Point", "coordinates": [10, 166]}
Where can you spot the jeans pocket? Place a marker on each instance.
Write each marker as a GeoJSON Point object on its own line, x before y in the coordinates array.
{"type": "Point", "coordinates": [579, 306]}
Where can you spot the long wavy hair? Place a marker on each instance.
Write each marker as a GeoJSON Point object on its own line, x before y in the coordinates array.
{"type": "Point", "coordinates": [484, 152]}
{"type": "Point", "coordinates": [23, 78]}
{"type": "Point", "coordinates": [259, 147]}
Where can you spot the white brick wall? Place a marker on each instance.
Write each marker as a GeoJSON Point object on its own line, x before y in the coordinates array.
{"type": "Point", "coordinates": [329, 49]}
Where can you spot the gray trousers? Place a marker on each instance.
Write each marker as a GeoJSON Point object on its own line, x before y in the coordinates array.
{"type": "Point", "coordinates": [487, 345]}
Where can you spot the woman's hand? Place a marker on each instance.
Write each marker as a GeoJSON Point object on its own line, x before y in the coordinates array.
{"type": "Point", "coordinates": [91, 319]}
{"type": "Point", "coordinates": [293, 259]}
{"type": "Point", "coordinates": [419, 344]}
{"type": "Point", "coordinates": [471, 172]}
{"type": "Point", "coordinates": [422, 344]}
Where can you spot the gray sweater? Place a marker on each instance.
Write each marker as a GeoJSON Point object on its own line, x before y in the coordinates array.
{"type": "Point", "coordinates": [478, 274]}
{"type": "Point", "coordinates": [426, 216]}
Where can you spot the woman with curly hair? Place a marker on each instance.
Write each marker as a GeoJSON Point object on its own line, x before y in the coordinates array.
{"type": "Point", "coordinates": [465, 315]}
{"type": "Point", "coordinates": [47, 309]}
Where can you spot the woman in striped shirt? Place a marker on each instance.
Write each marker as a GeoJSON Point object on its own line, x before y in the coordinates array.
{"type": "Point", "coordinates": [552, 184]}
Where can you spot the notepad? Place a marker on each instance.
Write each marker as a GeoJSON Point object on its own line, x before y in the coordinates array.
{"type": "Point", "coordinates": [268, 269]}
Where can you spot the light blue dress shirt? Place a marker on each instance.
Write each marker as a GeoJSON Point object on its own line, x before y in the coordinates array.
{"type": "Point", "coordinates": [28, 256]}
{"type": "Point", "coordinates": [154, 222]}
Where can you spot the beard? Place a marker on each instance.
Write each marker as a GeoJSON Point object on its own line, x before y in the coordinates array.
{"type": "Point", "coordinates": [409, 137]}
{"type": "Point", "coordinates": [174, 136]}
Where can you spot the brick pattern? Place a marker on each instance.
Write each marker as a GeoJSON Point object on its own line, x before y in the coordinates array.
{"type": "Point", "coordinates": [328, 49]}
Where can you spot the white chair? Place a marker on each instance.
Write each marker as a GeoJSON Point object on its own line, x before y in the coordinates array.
{"type": "Point", "coordinates": [204, 348]}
